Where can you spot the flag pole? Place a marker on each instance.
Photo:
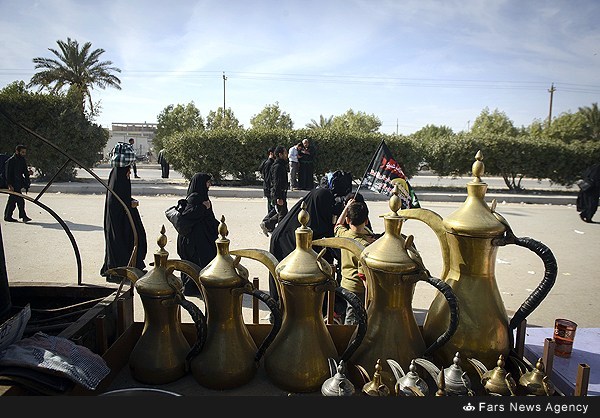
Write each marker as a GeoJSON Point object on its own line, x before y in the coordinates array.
{"type": "Point", "coordinates": [369, 166]}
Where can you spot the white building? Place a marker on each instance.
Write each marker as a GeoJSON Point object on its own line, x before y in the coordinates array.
{"type": "Point", "coordinates": [143, 133]}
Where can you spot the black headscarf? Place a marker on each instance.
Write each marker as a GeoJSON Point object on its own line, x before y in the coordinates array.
{"type": "Point", "coordinates": [199, 245]}
{"type": "Point", "coordinates": [118, 233]}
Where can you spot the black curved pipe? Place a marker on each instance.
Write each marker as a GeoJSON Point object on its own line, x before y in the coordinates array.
{"type": "Point", "coordinates": [448, 293]}
{"type": "Point", "coordinates": [277, 320]}
{"type": "Point", "coordinates": [60, 221]}
{"type": "Point", "coordinates": [200, 323]}
{"type": "Point", "coordinates": [361, 329]}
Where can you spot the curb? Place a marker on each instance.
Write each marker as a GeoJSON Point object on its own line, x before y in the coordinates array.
{"type": "Point", "coordinates": [256, 192]}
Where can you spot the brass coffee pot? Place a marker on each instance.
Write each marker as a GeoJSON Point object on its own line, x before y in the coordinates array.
{"type": "Point", "coordinates": [536, 382]}
{"type": "Point", "coordinates": [469, 240]}
{"type": "Point", "coordinates": [452, 380]}
{"type": "Point", "coordinates": [229, 357]}
{"type": "Point", "coordinates": [497, 381]}
{"type": "Point", "coordinates": [393, 266]}
{"type": "Point", "coordinates": [297, 360]}
{"type": "Point", "coordinates": [160, 354]}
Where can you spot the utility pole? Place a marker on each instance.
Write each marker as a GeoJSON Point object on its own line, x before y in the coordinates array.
{"type": "Point", "coordinates": [551, 91]}
{"type": "Point", "coordinates": [396, 126]}
{"type": "Point", "coordinates": [224, 79]}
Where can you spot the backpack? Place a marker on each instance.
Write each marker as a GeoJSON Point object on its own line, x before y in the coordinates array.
{"type": "Point", "coordinates": [339, 182]}
{"type": "Point", "coordinates": [3, 158]}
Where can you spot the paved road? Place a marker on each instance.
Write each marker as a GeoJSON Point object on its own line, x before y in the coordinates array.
{"type": "Point", "coordinates": [41, 251]}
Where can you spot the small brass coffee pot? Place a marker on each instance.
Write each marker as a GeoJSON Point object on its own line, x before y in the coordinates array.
{"type": "Point", "coordinates": [374, 386]}
{"type": "Point", "coordinates": [498, 381]}
{"type": "Point", "coordinates": [536, 382]}
{"type": "Point", "coordinates": [469, 239]}
{"type": "Point", "coordinates": [229, 357]}
{"type": "Point", "coordinates": [297, 360]}
{"type": "Point", "coordinates": [160, 354]}
{"type": "Point", "coordinates": [456, 382]}
{"type": "Point", "coordinates": [393, 267]}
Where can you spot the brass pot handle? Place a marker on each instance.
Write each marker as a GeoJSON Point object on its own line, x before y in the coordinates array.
{"type": "Point", "coordinates": [361, 329]}
{"type": "Point", "coordinates": [277, 319]}
{"type": "Point", "coordinates": [448, 293]}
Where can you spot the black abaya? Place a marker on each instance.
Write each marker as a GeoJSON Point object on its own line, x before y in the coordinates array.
{"type": "Point", "coordinates": [319, 205]}
{"type": "Point", "coordinates": [199, 245]}
{"type": "Point", "coordinates": [587, 201]}
{"type": "Point", "coordinates": [118, 232]}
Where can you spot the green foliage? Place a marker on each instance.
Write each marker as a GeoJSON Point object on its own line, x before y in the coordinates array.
{"type": "Point", "coordinates": [495, 122]}
{"type": "Point", "coordinates": [173, 119]}
{"type": "Point", "coordinates": [356, 121]}
{"type": "Point", "coordinates": [58, 119]}
{"type": "Point", "coordinates": [215, 120]}
{"type": "Point", "coordinates": [77, 68]}
{"type": "Point", "coordinates": [272, 117]}
{"type": "Point", "coordinates": [568, 127]}
{"type": "Point", "coordinates": [323, 123]}
{"type": "Point", "coordinates": [592, 121]}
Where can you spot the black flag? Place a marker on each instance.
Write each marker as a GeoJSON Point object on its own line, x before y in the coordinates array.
{"type": "Point", "coordinates": [384, 173]}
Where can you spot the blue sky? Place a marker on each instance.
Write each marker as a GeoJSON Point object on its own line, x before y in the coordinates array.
{"type": "Point", "coordinates": [410, 63]}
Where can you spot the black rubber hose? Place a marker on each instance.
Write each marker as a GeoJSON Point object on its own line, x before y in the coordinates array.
{"type": "Point", "coordinates": [448, 293]}
{"type": "Point", "coordinates": [541, 291]}
{"type": "Point", "coordinates": [201, 327]}
{"type": "Point", "coordinates": [361, 329]}
{"type": "Point", "coordinates": [273, 305]}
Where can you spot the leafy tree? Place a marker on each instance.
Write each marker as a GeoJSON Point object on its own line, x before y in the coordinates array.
{"type": "Point", "coordinates": [493, 123]}
{"type": "Point", "coordinates": [357, 121]}
{"type": "Point", "coordinates": [215, 120]}
{"type": "Point", "coordinates": [77, 68]}
{"type": "Point", "coordinates": [568, 127]}
{"type": "Point", "coordinates": [592, 119]}
{"type": "Point", "coordinates": [272, 117]}
{"type": "Point", "coordinates": [323, 123]}
{"type": "Point", "coordinates": [56, 118]}
{"type": "Point", "coordinates": [175, 119]}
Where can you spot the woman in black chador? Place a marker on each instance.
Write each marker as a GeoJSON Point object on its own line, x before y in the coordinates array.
{"type": "Point", "coordinates": [197, 216]}
{"type": "Point", "coordinates": [320, 206]}
{"type": "Point", "coordinates": [118, 233]}
{"type": "Point", "coordinates": [587, 200]}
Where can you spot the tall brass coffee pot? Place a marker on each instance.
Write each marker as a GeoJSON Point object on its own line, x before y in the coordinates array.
{"type": "Point", "coordinates": [298, 358]}
{"type": "Point", "coordinates": [393, 266]}
{"type": "Point", "coordinates": [229, 357]}
{"type": "Point", "coordinates": [469, 239]}
{"type": "Point", "coordinates": [160, 354]}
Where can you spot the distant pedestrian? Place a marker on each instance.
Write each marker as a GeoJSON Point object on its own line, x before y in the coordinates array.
{"type": "Point", "coordinates": [17, 174]}
{"type": "Point", "coordinates": [587, 200]}
{"type": "Point", "coordinates": [294, 164]}
{"type": "Point", "coordinates": [265, 171]}
{"type": "Point", "coordinates": [279, 188]}
{"type": "Point", "coordinates": [306, 157]}
{"type": "Point", "coordinates": [133, 166]}
{"type": "Point", "coordinates": [164, 164]}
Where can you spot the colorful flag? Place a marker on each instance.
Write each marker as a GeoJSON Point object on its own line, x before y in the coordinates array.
{"type": "Point", "coordinates": [384, 173]}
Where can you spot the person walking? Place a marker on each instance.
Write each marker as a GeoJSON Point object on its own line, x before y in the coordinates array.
{"type": "Point", "coordinates": [265, 170]}
{"type": "Point", "coordinates": [197, 217]}
{"type": "Point", "coordinates": [118, 230]}
{"type": "Point", "coordinates": [587, 200]}
{"type": "Point", "coordinates": [294, 164]}
{"type": "Point", "coordinates": [279, 188]}
{"type": "Point", "coordinates": [133, 166]}
{"type": "Point", "coordinates": [164, 164]}
{"type": "Point", "coordinates": [16, 173]}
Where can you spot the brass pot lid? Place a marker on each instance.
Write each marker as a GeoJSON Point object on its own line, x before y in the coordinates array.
{"type": "Point", "coordinates": [474, 218]}
{"type": "Point", "coordinates": [304, 266]}
{"type": "Point", "coordinates": [389, 252]}
{"type": "Point", "coordinates": [223, 271]}
{"type": "Point", "coordinates": [155, 283]}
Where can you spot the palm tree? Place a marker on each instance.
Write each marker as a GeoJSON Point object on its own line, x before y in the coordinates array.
{"type": "Point", "coordinates": [78, 68]}
{"type": "Point", "coordinates": [592, 118]}
{"type": "Point", "coordinates": [323, 123]}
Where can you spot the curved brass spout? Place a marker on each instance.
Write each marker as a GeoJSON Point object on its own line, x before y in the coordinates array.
{"type": "Point", "coordinates": [262, 256]}
{"type": "Point", "coordinates": [436, 223]}
{"type": "Point", "coordinates": [186, 267]}
{"type": "Point", "coordinates": [345, 243]}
